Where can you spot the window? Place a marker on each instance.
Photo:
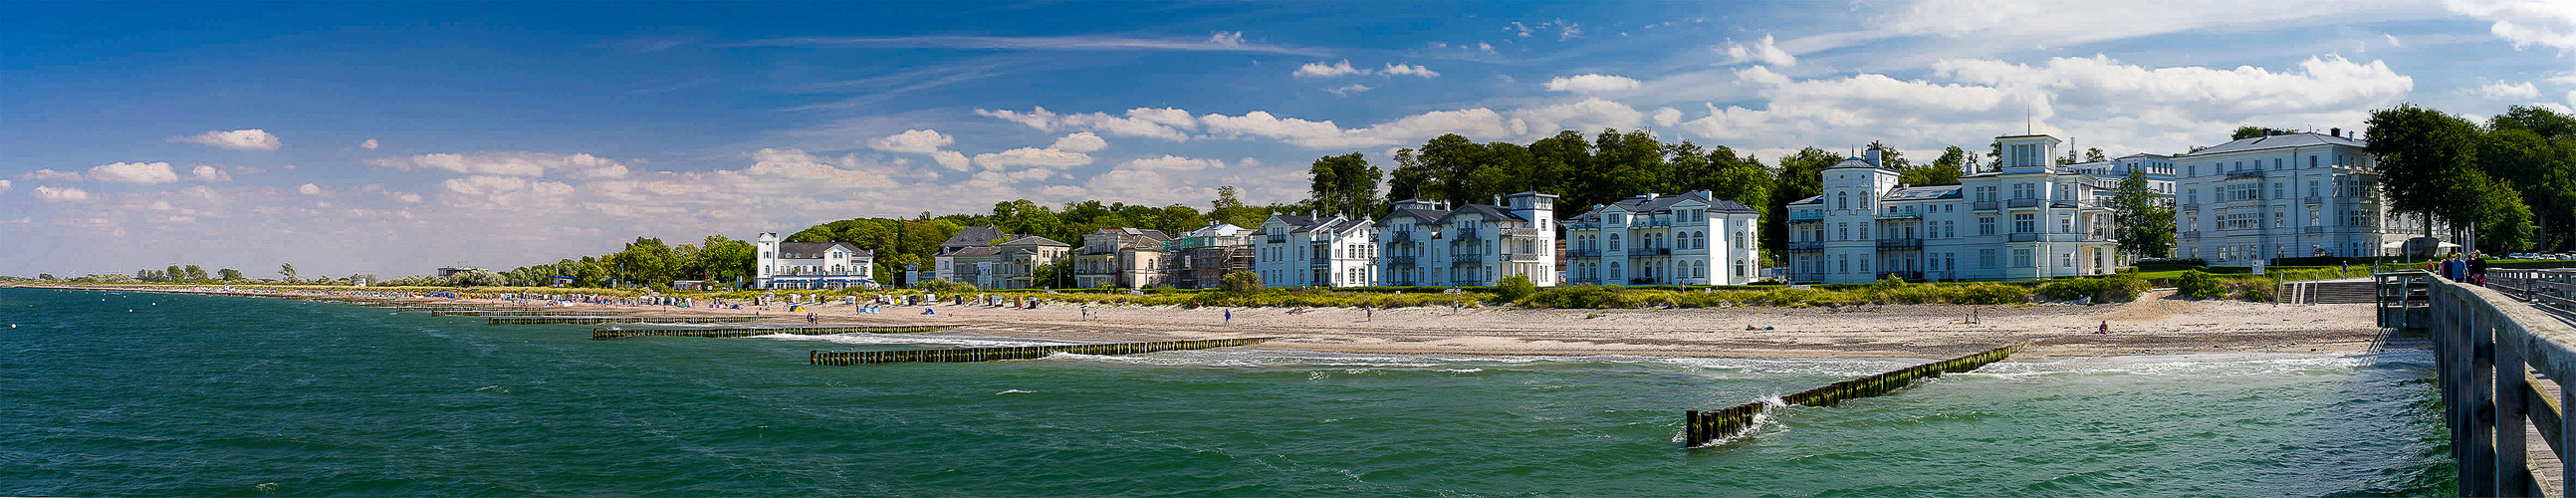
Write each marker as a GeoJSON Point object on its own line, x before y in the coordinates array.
{"type": "Point", "coordinates": [2066, 260]}
{"type": "Point", "coordinates": [2025, 223]}
{"type": "Point", "coordinates": [1845, 259]}
{"type": "Point", "coordinates": [2276, 191]}
{"type": "Point", "coordinates": [2312, 162]}
{"type": "Point", "coordinates": [1986, 258]}
{"type": "Point", "coordinates": [1843, 199]}
{"type": "Point", "coordinates": [1985, 225]}
{"type": "Point", "coordinates": [2021, 258]}
{"type": "Point", "coordinates": [1844, 231]}
{"type": "Point", "coordinates": [1614, 242]}
{"type": "Point", "coordinates": [2065, 224]}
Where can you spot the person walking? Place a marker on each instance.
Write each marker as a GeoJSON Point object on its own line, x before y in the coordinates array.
{"type": "Point", "coordinates": [1229, 317]}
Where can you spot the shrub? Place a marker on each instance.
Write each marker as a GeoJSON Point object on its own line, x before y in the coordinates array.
{"type": "Point", "coordinates": [1514, 288]}
{"type": "Point", "coordinates": [2110, 289]}
{"type": "Point", "coordinates": [946, 287]}
{"type": "Point", "coordinates": [2196, 285]}
{"type": "Point", "coordinates": [1581, 296]}
{"type": "Point", "coordinates": [1985, 293]}
{"type": "Point", "coordinates": [1241, 282]}
{"type": "Point", "coordinates": [2259, 290]}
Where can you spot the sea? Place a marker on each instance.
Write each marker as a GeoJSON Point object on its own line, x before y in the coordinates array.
{"type": "Point", "coordinates": [140, 394]}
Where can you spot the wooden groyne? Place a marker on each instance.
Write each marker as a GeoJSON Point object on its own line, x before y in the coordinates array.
{"type": "Point", "coordinates": [606, 334]}
{"type": "Point", "coordinates": [596, 320]}
{"type": "Point", "coordinates": [1703, 427]}
{"type": "Point", "coordinates": [954, 355]}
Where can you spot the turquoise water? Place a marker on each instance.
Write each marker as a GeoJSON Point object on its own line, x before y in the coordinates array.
{"type": "Point", "coordinates": [209, 395]}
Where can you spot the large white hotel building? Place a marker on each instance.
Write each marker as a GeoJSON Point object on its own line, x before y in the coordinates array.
{"type": "Point", "coordinates": [2026, 220]}
{"type": "Point", "coordinates": [2279, 196]}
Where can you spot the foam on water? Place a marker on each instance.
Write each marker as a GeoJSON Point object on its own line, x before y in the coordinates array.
{"type": "Point", "coordinates": [911, 339]}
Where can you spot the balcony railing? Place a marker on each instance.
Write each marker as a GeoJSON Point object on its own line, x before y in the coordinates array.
{"type": "Point", "coordinates": [1808, 246]}
{"type": "Point", "coordinates": [2021, 237]}
{"type": "Point", "coordinates": [1900, 214]}
{"type": "Point", "coordinates": [1650, 251]}
{"type": "Point", "coordinates": [1651, 222]}
{"type": "Point", "coordinates": [1806, 217]}
{"type": "Point", "coordinates": [1522, 233]}
{"type": "Point", "coordinates": [2312, 229]}
{"type": "Point", "coordinates": [2240, 175]}
{"type": "Point", "coordinates": [2191, 235]}
{"type": "Point", "coordinates": [821, 273]}
{"type": "Point", "coordinates": [1456, 259]}
{"type": "Point", "coordinates": [1279, 238]}
{"type": "Point", "coordinates": [1583, 254]}
{"type": "Point", "coordinates": [1399, 260]}
{"type": "Point", "coordinates": [1089, 251]}
{"type": "Point", "coordinates": [1900, 244]}
{"type": "Point", "coordinates": [1399, 237]}
{"type": "Point", "coordinates": [2191, 206]}
{"type": "Point", "coordinates": [2023, 203]}
{"type": "Point", "coordinates": [1323, 261]}
{"type": "Point", "coordinates": [1521, 256]}
{"type": "Point", "coordinates": [1985, 205]}
{"type": "Point", "coordinates": [1464, 234]}
{"type": "Point", "coordinates": [2314, 200]}
{"type": "Point", "coordinates": [1583, 226]}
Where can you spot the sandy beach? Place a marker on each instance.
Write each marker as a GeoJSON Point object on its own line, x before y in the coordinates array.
{"type": "Point", "coordinates": [2155, 324]}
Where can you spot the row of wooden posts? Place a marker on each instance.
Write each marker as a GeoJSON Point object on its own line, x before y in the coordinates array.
{"type": "Point", "coordinates": [611, 333]}
{"type": "Point", "coordinates": [596, 320]}
{"type": "Point", "coordinates": [953, 355]}
{"type": "Point", "coordinates": [1703, 427]}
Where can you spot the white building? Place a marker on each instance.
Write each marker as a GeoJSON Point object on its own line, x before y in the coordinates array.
{"type": "Point", "coordinates": [2107, 175]}
{"type": "Point", "coordinates": [810, 265]}
{"type": "Point", "coordinates": [2027, 220]}
{"type": "Point", "coordinates": [1127, 258]}
{"type": "Point", "coordinates": [2291, 195]}
{"type": "Point", "coordinates": [1429, 244]}
{"type": "Point", "coordinates": [944, 263]}
{"type": "Point", "coordinates": [1306, 251]}
{"type": "Point", "coordinates": [1687, 239]}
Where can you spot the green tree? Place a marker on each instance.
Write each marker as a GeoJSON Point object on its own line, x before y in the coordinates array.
{"type": "Point", "coordinates": [1345, 185]}
{"type": "Point", "coordinates": [2427, 164]}
{"type": "Point", "coordinates": [228, 274]}
{"type": "Point", "coordinates": [287, 271]}
{"type": "Point", "coordinates": [1240, 282]}
{"type": "Point", "coordinates": [196, 273]}
{"type": "Point", "coordinates": [644, 262]}
{"type": "Point", "coordinates": [2141, 221]}
{"type": "Point", "coordinates": [45, 276]}
{"type": "Point", "coordinates": [2250, 131]}
{"type": "Point", "coordinates": [2095, 155]}
{"type": "Point", "coordinates": [480, 278]}
{"type": "Point", "coordinates": [174, 274]}
{"type": "Point", "coordinates": [1800, 176]}
{"type": "Point", "coordinates": [726, 260]}
{"type": "Point", "coordinates": [1944, 170]}
{"type": "Point", "coordinates": [1229, 208]}
{"type": "Point", "coordinates": [1409, 181]}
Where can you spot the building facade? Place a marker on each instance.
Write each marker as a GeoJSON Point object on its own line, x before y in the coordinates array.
{"type": "Point", "coordinates": [1687, 239]}
{"type": "Point", "coordinates": [810, 265]}
{"type": "Point", "coordinates": [1201, 258]}
{"type": "Point", "coordinates": [2276, 196]}
{"type": "Point", "coordinates": [1428, 243]}
{"type": "Point", "coordinates": [2158, 170]}
{"type": "Point", "coordinates": [1014, 264]}
{"type": "Point", "coordinates": [2025, 220]}
{"type": "Point", "coordinates": [1128, 258]}
{"type": "Point", "coordinates": [1307, 251]}
{"type": "Point", "coordinates": [943, 263]}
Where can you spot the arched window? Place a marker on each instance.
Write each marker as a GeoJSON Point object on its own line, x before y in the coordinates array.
{"type": "Point", "coordinates": [1699, 269]}
{"type": "Point", "coordinates": [1699, 239]}
{"type": "Point", "coordinates": [1614, 245]}
{"type": "Point", "coordinates": [1614, 265]}
{"type": "Point", "coordinates": [1842, 199]}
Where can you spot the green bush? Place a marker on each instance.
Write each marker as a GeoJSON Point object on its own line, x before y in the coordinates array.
{"type": "Point", "coordinates": [1582, 296]}
{"type": "Point", "coordinates": [1514, 288]}
{"type": "Point", "coordinates": [2260, 290]}
{"type": "Point", "coordinates": [2109, 289]}
{"type": "Point", "coordinates": [2196, 285]}
{"type": "Point", "coordinates": [946, 287]}
{"type": "Point", "coordinates": [1986, 293]}
{"type": "Point", "coordinates": [1241, 282]}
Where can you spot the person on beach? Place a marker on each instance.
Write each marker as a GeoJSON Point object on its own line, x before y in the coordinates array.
{"type": "Point", "coordinates": [1229, 317]}
{"type": "Point", "coordinates": [2106, 328]}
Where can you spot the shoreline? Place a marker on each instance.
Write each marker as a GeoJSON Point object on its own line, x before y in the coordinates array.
{"type": "Point", "coordinates": [2155, 324]}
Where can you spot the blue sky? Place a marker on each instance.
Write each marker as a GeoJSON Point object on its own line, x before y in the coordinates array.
{"type": "Point", "coordinates": [391, 138]}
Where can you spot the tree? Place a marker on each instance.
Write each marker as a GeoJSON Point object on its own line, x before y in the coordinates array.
{"type": "Point", "coordinates": [228, 274]}
{"type": "Point", "coordinates": [174, 274]}
{"type": "Point", "coordinates": [1345, 185]}
{"type": "Point", "coordinates": [2141, 221]}
{"type": "Point", "coordinates": [1240, 282]}
{"type": "Point", "coordinates": [726, 260]}
{"type": "Point", "coordinates": [1943, 170]}
{"type": "Point", "coordinates": [1409, 180]}
{"type": "Point", "coordinates": [646, 261]}
{"type": "Point", "coordinates": [1800, 176]}
{"type": "Point", "coordinates": [2426, 163]}
{"type": "Point", "coordinates": [196, 273]}
{"type": "Point", "coordinates": [45, 276]}
{"type": "Point", "coordinates": [2095, 155]}
{"type": "Point", "coordinates": [1229, 208]}
{"type": "Point", "coordinates": [480, 278]}
{"type": "Point", "coordinates": [287, 271]}
{"type": "Point", "coordinates": [2249, 131]}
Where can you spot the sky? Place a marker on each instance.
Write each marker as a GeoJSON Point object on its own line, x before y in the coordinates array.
{"type": "Point", "coordinates": [394, 138]}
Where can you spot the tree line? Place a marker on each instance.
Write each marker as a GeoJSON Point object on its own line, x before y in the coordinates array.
{"type": "Point", "coordinates": [2510, 181]}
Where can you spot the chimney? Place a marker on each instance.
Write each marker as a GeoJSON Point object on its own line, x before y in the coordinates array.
{"type": "Point", "coordinates": [2336, 132]}
{"type": "Point", "coordinates": [1871, 156]}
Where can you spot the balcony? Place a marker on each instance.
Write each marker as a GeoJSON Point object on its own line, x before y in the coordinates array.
{"type": "Point", "coordinates": [1400, 260]}
{"type": "Point", "coordinates": [2191, 206]}
{"type": "Point", "coordinates": [1464, 234]}
{"type": "Point", "coordinates": [1399, 237]}
{"type": "Point", "coordinates": [1583, 226]}
{"type": "Point", "coordinates": [821, 273]}
{"type": "Point", "coordinates": [2023, 203]}
{"type": "Point", "coordinates": [1806, 217]}
{"type": "Point", "coordinates": [1095, 251]}
{"type": "Point", "coordinates": [2241, 175]}
{"type": "Point", "coordinates": [1643, 252]}
{"type": "Point", "coordinates": [1521, 233]}
{"type": "Point", "coordinates": [2318, 229]}
{"type": "Point", "coordinates": [1900, 244]}
{"type": "Point", "coordinates": [2191, 235]}
{"type": "Point", "coordinates": [1985, 206]}
{"type": "Point", "coordinates": [1461, 259]}
{"type": "Point", "coordinates": [1322, 261]}
{"type": "Point", "coordinates": [1895, 214]}
{"type": "Point", "coordinates": [1525, 257]}
{"type": "Point", "coordinates": [1279, 238]}
{"type": "Point", "coordinates": [2366, 199]}
{"type": "Point", "coordinates": [1583, 254]}
{"type": "Point", "coordinates": [2315, 200]}
{"type": "Point", "coordinates": [1650, 223]}
{"type": "Point", "coordinates": [2021, 237]}
{"type": "Point", "coordinates": [1809, 246]}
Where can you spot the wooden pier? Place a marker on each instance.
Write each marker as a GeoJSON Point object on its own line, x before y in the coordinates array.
{"type": "Point", "coordinates": [606, 334]}
{"type": "Point", "coordinates": [1703, 427]}
{"type": "Point", "coordinates": [596, 320]}
{"type": "Point", "coordinates": [2488, 343]}
{"type": "Point", "coordinates": [955, 355]}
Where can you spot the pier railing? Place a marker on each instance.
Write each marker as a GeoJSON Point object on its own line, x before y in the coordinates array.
{"type": "Point", "coordinates": [2486, 344]}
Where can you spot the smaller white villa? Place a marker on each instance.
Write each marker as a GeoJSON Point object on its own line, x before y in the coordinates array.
{"type": "Point", "coordinates": [811, 265]}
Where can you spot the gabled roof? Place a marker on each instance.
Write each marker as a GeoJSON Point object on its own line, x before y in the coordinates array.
{"type": "Point", "coordinates": [974, 236]}
{"type": "Point", "coordinates": [819, 247]}
{"type": "Point", "coordinates": [2278, 141]}
{"type": "Point", "coordinates": [1922, 193]}
{"type": "Point", "coordinates": [977, 251]}
{"type": "Point", "coordinates": [1147, 233]}
{"type": "Point", "coordinates": [1640, 204]}
{"type": "Point", "coordinates": [1488, 211]}
{"type": "Point", "coordinates": [1312, 223]}
{"type": "Point", "coordinates": [1428, 215]}
{"type": "Point", "coordinates": [1033, 240]}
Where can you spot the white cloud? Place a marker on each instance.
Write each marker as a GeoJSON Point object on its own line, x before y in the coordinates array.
{"type": "Point", "coordinates": [1173, 163]}
{"type": "Point", "coordinates": [1344, 68]}
{"type": "Point", "coordinates": [1765, 52]}
{"type": "Point", "coordinates": [950, 159]}
{"type": "Point", "coordinates": [1164, 123]}
{"type": "Point", "coordinates": [1262, 124]}
{"type": "Point", "coordinates": [48, 174]}
{"type": "Point", "coordinates": [1667, 116]}
{"type": "Point", "coordinates": [912, 142]}
{"type": "Point", "coordinates": [2550, 23]}
{"type": "Point", "coordinates": [309, 189]}
{"type": "Point", "coordinates": [844, 171]}
{"type": "Point", "coordinates": [144, 173]}
{"type": "Point", "coordinates": [251, 139]}
{"type": "Point", "coordinates": [49, 193]}
{"type": "Point", "coordinates": [204, 173]}
{"type": "Point", "coordinates": [2392, 40]}
{"type": "Point", "coordinates": [511, 163]}
{"type": "Point", "coordinates": [2063, 23]}
{"type": "Point", "coordinates": [1347, 90]}
{"type": "Point", "coordinates": [1226, 38]}
{"type": "Point", "coordinates": [4, 186]}
{"type": "Point", "coordinates": [370, 144]}
{"type": "Point", "coordinates": [1393, 69]}
{"type": "Point", "coordinates": [1083, 142]}
{"type": "Point", "coordinates": [2328, 82]}
{"type": "Point", "coordinates": [1322, 70]}
{"type": "Point", "coordinates": [1592, 83]}
{"type": "Point", "coordinates": [2498, 90]}
{"type": "Point", "coordinates": [1570, 31]}
{"type": "Point", "coordinates": [1031, 157]}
